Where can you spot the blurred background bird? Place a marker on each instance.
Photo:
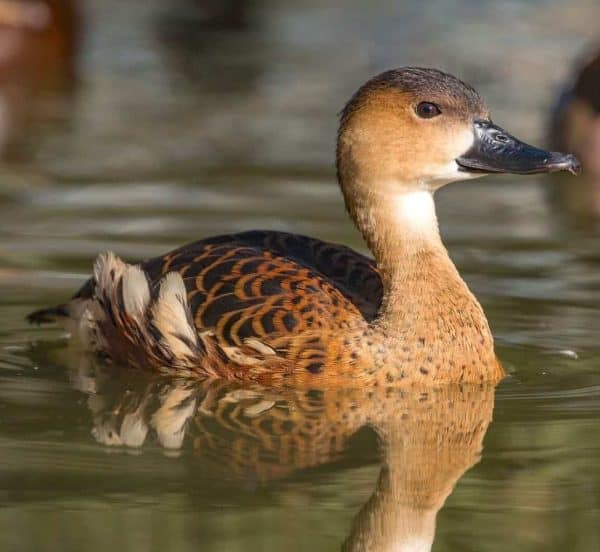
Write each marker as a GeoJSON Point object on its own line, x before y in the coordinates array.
{"type": "Point", "coordinates": [575, 125]}
{"type": "Point", "coordinates": [38, 50]}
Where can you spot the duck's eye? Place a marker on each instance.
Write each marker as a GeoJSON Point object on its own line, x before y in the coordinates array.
{"type": "Point", "coordinates": [428, 110]}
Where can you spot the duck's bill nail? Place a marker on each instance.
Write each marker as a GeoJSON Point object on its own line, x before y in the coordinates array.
{"type": "Point", "coordinates": [496, 151]}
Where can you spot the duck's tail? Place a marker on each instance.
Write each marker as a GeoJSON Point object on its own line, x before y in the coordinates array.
{"type": "Point", "coordinates": [65, 313]}
{"type": "Point", "coordinates": [48, 315]}
{"type": "Point", "coordinates": [115, 314]}
{"type": "Point", "coordinates": [118, 317]}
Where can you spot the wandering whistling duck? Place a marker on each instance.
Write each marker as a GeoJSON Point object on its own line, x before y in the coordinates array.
{"type": "Point", "coordinates": [38, 49]}
{"type": "Point", "coordinates": [576, 127]}
{"type": "Point", "coordinates": [269, 306]}
{"type": "Point", "coordinates": [577, 119]}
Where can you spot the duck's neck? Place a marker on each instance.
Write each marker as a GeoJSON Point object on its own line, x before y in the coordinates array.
{"type": "Point", "coordinates": [402, 231]}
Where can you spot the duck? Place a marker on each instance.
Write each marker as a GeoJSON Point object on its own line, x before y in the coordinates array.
{"type": "Point", "coordinates": [40, 36]}
{"type": "Point", "coordinates": [276, 307]}
{"type": "Point", "coordinates": [39, 43]}
{"type": "Point", "coordinates": [575, 124]}
{"type": "Point", "coordinates": [576, 120]}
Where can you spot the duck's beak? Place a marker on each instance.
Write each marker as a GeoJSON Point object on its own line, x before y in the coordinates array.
{"type": "Point", "coordinates": [496, 151]}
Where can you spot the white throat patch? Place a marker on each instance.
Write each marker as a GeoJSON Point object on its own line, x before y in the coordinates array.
{"type": "Point", "coordinates": [415, 211]}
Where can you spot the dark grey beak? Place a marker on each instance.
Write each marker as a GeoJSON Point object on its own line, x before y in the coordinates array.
{"type": "Point", "coordinates": [496, 151]}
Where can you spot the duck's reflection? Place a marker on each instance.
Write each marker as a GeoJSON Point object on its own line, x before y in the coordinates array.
{"type": "Point", "coordinates": [428, 438]}
{"type": "Point", "coordinates": [427, 445]}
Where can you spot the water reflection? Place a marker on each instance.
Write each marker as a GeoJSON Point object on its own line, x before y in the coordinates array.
{"type": "Point", "coordinates": [428, 438]}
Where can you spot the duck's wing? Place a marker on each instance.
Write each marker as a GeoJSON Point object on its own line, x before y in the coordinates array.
{"type": "Point", "coordinates": [242, 297]}
{"type": "Point", "coordinates": [238, 271]}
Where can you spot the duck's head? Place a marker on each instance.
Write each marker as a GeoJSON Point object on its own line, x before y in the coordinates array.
{"type": "Point", "coordinates": [418, 129]}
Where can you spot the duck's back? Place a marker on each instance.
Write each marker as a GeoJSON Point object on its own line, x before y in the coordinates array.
{"type": "Point", "coordinates": [249, 297]}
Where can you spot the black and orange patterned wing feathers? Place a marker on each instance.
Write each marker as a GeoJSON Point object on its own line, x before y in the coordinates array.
{"type": "Point", "coordinates": [260, 284]}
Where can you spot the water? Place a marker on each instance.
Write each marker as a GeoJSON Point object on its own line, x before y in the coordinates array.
{"type": "Point", "coordinates": [172, 136]}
